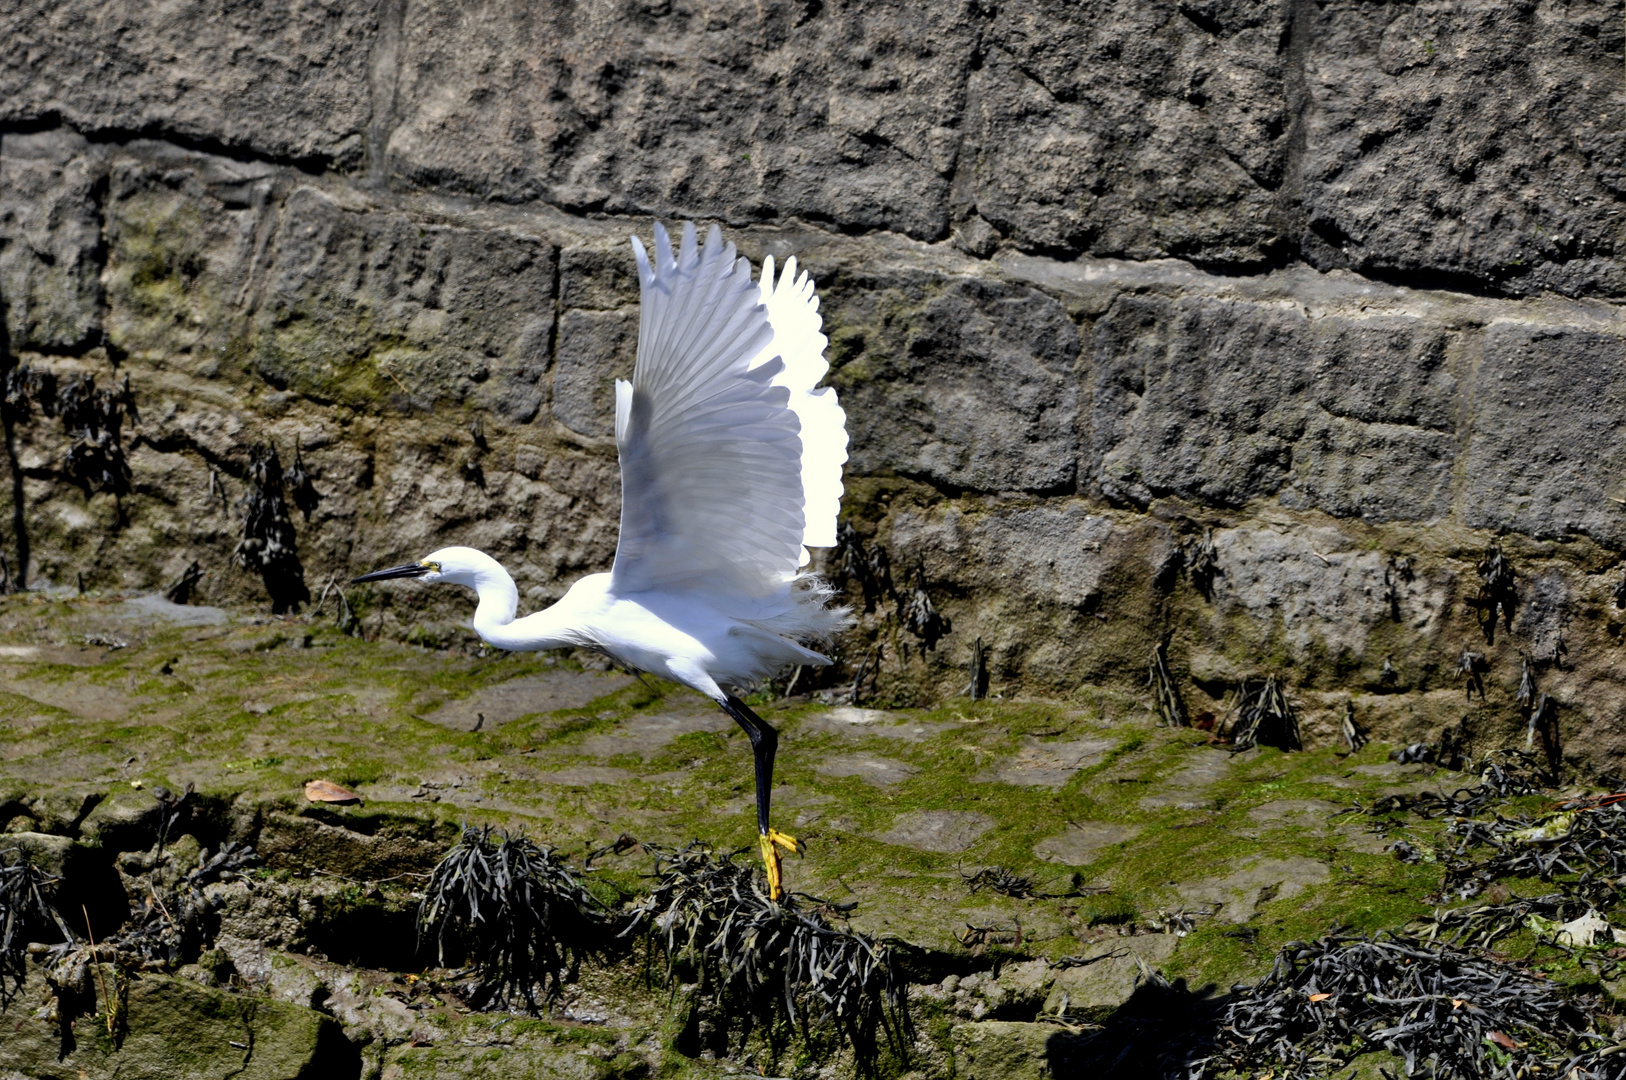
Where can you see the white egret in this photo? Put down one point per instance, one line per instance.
(730, 470)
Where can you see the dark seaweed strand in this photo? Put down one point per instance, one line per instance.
(1433, 1006)
(515, 910)
(26, 915)
(783, 962)
(1591, 851)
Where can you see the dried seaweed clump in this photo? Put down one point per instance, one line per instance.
(1503, 774)
(172, 925)
(1264, 717)
(94, 421)
(268, 547)
(1584, 847)
(1171, 707)
(1450, 1015)
(780, 963)
(1497, 593)
(26, 915)
(514, 909)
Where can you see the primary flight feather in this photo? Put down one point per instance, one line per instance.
(731, 459)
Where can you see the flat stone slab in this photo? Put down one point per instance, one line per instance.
(584, 776)
(1305, 815)
(1048, 764)
(871, 768)
(1083, 843)
(1240, 892)
(847, 721)
(546, 692)
(945, 831)
(1188, 788)
(159, 608)
(648, 734)
(1108, 975)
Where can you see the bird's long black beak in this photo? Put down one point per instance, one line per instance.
(408, 570)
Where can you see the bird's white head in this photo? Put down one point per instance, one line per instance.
(499, 599)
(455, 565)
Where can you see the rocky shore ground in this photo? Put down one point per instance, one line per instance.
(145, 740)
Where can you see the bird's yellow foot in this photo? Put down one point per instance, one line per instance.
(771, 841)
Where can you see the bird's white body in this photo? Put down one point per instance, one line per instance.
(676, 635)
(731, 468)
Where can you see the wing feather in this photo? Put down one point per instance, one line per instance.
(730, 459)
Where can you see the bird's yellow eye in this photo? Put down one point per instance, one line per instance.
(434, 567)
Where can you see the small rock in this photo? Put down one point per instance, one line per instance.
(945, 831)
(1083, 843)
(880, 771)
(1107, 979)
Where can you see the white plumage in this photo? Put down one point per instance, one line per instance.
(731, 459)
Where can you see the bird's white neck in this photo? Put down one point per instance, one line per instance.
(494, 617)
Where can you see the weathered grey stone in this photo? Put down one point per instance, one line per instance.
(1133, 129)
(1036, 577)
(1547, 447)
(526, 696)
(1047, 763)
(1424, 156)
(739, 112)
(50, 853)
(595, 348)
(1084, 842)
(1325, 591)
(1197, 398)
(1310, 816)
(947, 831)
(1381, 472)
(1095, 989)
(1006, 1050)
(1222, 402)
(362, 306)
(283, 79)
(50, 240)
(175, 1028)
(1254, 883)
(303, 844)
(965, 384)
(1189, 788)
(871, 768)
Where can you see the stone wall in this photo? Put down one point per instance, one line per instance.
(1336, 286)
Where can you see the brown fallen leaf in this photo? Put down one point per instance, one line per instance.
(328, 791)
(1319, 997)
(1505, 1042)
(1456, 1003)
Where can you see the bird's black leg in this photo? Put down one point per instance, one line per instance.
(764, 743)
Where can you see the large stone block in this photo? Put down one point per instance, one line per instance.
(283, 79)
(1198, 398)
(50, 240)
(1467, 141)
(1135, 129)
(176, 1030)
(1058, 593)
(966, 384)
(1222, 401)
(1380, 442)
(1549, 433)
(364, 305)
(184, 233)
(740, 111)
(1312, 590)
(595, 348)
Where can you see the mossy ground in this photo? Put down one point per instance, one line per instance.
(896, 806)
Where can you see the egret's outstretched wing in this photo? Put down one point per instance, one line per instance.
(730, 460)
